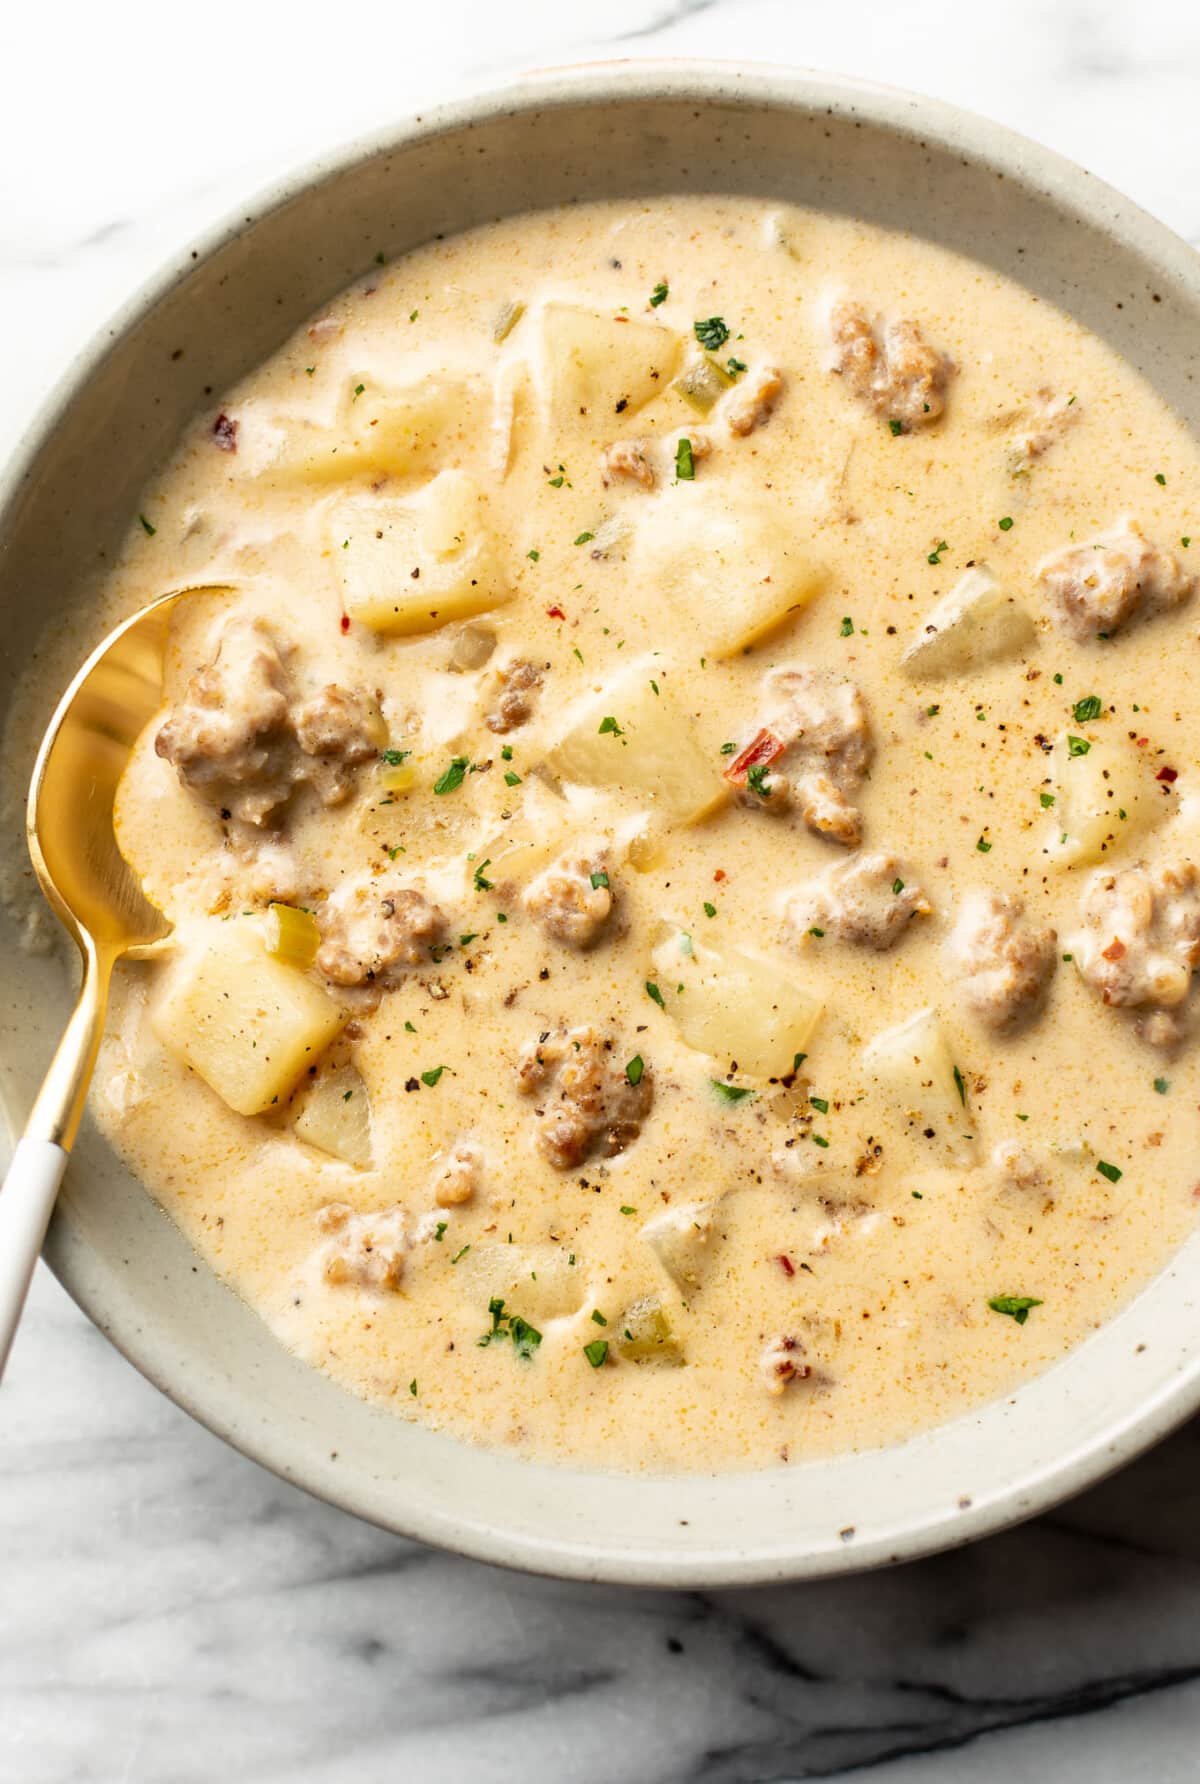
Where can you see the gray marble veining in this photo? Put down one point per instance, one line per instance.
(171, 1614)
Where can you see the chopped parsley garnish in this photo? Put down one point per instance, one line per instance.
(960, 1084)
(712, 333)
(710, 910)
(846, 629)
(506, 753)
(984, 846)
(732, 1093)
(609, 728)
(1159, 478)
(1047, 800)
(1087, 709)
(412, 1387)
(931, 712)
(1005, 525)
(431, 1077)
(584, 538)
(820, 1140)
(358, 390)
(460, 1254)
(1058, 681)
(409, 1029)
(626, 1209)
(727, 749)
(1112, 1172)
(598, 1318)
(1016, 1306)
(756, 780)
(819, 1102)
(653, 991)
(1077, 746)
(1185, 541)
(635, 1068)
(660, 294)
(482, 884)
(798, 1060)
(146, 527)
(935, 556)
(735, 367)
(533, 556)
(511, 779)
(685, 463)
(524, 1337)
(471, 935)
(393, 758)
(819, 933)
(440, 1231)
(897, 427)
(596, 1352)
(897, 887)
(1162, 1085)
(451, 778)
(598, 879)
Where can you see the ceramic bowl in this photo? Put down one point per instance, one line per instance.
(599, 132)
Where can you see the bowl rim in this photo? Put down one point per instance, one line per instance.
(976, 138)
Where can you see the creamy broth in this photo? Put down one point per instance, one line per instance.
(613, 1051)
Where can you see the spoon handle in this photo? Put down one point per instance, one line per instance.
(26, 1202)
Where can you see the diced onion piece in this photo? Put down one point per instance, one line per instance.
(978, 621)
(734, 1006)
(246, 1023)
(1103, 799)
(397, 777)
(643, 1334)
(912, 1066)
(728, 572)
(647, 746)
(292, 935)
(601, 366)
(414, 563)
(681, 1239)
(335, 1115)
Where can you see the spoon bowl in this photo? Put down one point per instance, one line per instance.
(71, 832)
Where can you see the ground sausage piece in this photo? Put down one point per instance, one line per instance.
(515, 687)
(816, 749)
(366, 1250)
(752, 402)
(1096, 587)
(587, 1106)
(230, 738)
(572, 899)
(372, 933)
(869, 901)
(899, 376)
(457, 1176)
(1140, 942)
(1004, 965)
(781, 1362)
(629, 459)
(340, 729)
(1044, 422)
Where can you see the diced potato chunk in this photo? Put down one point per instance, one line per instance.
(381, 432)
(912, 1067)
(729, 572)
(1103, 798)
(630, 737)
(602, 365)
(734, 1006)
(681, 1240)
(538, 1281)
(248, 1024)
(978, 621)
(413, 563)
(643, 1334)
(335, 1115)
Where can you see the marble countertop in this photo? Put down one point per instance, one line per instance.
(169, 1613)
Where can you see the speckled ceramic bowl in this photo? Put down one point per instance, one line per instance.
(598, 132)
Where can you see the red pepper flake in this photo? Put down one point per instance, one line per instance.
(345, 622)
(556, 613)
(786, 1264)
(1142, 742)
(758, 754)
(719, 875)
(1115, 950)
(225, 433)
(1169, 775)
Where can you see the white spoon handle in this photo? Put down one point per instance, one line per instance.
(26, 1202)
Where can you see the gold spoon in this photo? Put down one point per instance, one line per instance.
(69, 825)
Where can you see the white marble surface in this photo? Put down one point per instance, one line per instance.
(170, 1614)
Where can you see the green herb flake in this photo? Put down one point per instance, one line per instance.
(1112, 1172)
(609, 727)
(1162, 1085)
(653, 991)
(584, 538)
(732, 1093)
(819, 1102)
(984, 846)
(710, 910)
(534, 556)
(685, 463)
(660, 294)
(482, 884)
(820, 1140)
(460, 1254)
(897, 427)
(712, 333)
(451, 778)
(727, 749)
(440, 1231)
(511, 779)
(1159, 478)
(897, 887)
(471, 936)
(1005, 525)
(1087, 709)
(598, 879)
(756, 780)
(735, 367)
(846, 629)
(626, 1209)
(596, 1352)
(412, 1387)
(431, 1077)
(146, 527)
(819, 933)
(935, 556)
(635, 1068)
(960, 1084)
(1077, 746)
(358, 390)
(409, 1029)
(1047, 800)
(1016, 1306)
(1185, 541)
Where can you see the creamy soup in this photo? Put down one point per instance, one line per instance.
(678, 835)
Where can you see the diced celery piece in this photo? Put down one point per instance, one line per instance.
(702, 383)
(292, 935)
(644, 1335)
(507, 317)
